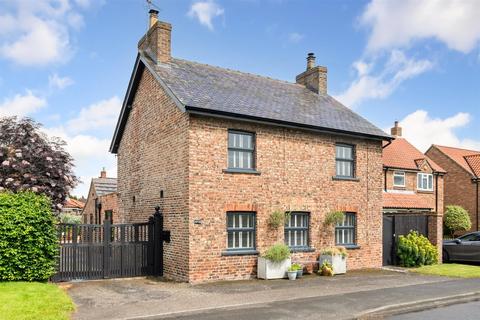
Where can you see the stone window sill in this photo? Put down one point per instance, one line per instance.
(425, 191)
(352, 247)
(240, 253)
(305, 249)
(337, 178)
(254, 172)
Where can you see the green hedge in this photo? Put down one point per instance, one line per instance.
(456, 219)
(28, 238)
(416, 250)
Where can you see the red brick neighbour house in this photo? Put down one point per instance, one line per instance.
(102, 201)
(462, 183)
(219, 150)
(413, 194)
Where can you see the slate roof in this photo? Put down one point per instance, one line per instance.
(405, 201)
(467, 159)
(402, 154)
(104, 186)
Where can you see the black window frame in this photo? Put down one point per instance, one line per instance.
(253, 150)
(353, 160)
(354, 228)
(232, 230)
(288, 215)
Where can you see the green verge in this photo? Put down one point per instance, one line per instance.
(34, 300)
(450, 270)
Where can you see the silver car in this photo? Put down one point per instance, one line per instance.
(464, 248)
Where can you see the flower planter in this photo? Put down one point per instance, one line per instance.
(267, 269)
(292, 275)
(338, 263)
(299, 273)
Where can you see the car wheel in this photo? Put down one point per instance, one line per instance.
(445, 256)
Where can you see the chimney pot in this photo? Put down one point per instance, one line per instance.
(103, 173)
(310, 61)
(315, 77)
(153, 17)
(396, 130)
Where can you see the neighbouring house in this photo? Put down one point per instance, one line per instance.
(219, 150)
(462, 183)
(102, 201)
(413, 194)
(73, 206)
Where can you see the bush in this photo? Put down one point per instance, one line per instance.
(28, 238)
(277, 253)
(70, 218)
(456, 219)
(416, 250)
(335, 251)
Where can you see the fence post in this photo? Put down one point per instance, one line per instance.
(158, 242)
(107, 234)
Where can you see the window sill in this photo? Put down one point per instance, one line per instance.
(337, 178)
(425, 191)
(254, 172)
(304, 249)
(240, 253)
(352, 247)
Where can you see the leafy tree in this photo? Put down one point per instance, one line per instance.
(456, 219)
(30, 160)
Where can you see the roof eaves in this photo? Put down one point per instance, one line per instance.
(255, 119)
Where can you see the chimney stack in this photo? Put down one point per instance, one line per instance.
(156, 43)
(315, 77)
(103, 173)
(396, 130)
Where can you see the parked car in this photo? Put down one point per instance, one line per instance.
(464, 248)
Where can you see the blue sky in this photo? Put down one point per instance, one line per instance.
(66, 63)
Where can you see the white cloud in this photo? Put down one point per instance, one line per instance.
(295, 37)
(205, 11)
(423, 131)
(55, 81)
(36, 33)
(400, 23)
(370, 85)
(22, 105)
(100, 115)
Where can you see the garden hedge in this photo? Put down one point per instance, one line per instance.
(28, 240)
(456, 219)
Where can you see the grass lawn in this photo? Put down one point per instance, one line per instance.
(34, 300)
(450, 270)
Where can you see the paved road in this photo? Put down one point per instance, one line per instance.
(465, 311)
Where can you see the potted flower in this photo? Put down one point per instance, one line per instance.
(274, 263)
(326, 269)
(292, 272)
(337, 257)
(299, 269)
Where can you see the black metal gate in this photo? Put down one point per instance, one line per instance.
(396, 225)
(93, 251)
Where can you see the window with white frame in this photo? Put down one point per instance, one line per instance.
(345, 231)
(296, 229)
(399, 179)
(240, 230)
(425, 181)
(241, 150)
(345, 160)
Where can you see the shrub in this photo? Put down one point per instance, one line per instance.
(326, 269)
(334, 218)
(456, 219)
(276, 219)
(28, 238)
(335, 251)
(416, 250)
(297, 266)
(70, 218)
(277, 253)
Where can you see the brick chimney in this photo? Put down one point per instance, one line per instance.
(103, 173)
(315, 77)
(396, 130)
(156, 43)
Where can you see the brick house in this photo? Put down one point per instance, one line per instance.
(102, 201)
(412, 194)
(219, 150)
(462, 183)
(73, 206)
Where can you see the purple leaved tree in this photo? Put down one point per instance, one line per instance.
(30, 160)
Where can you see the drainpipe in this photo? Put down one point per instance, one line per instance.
(436, 193)
(385, 178)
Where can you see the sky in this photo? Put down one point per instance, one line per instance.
(67, 63)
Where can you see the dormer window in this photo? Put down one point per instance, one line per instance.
(399, 179)
(425, 181)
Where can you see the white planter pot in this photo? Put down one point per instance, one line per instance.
(267, 269)
(338, 263)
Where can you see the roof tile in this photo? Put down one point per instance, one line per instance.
(462, 157)
(405, 201)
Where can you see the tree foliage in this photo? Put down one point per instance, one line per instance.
(29, 160)
(456, 219)
(28, 238)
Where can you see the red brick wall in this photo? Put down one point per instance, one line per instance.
(296, 174)
(88, 213)
(153, 156)
(459, 188)
(110, 202)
